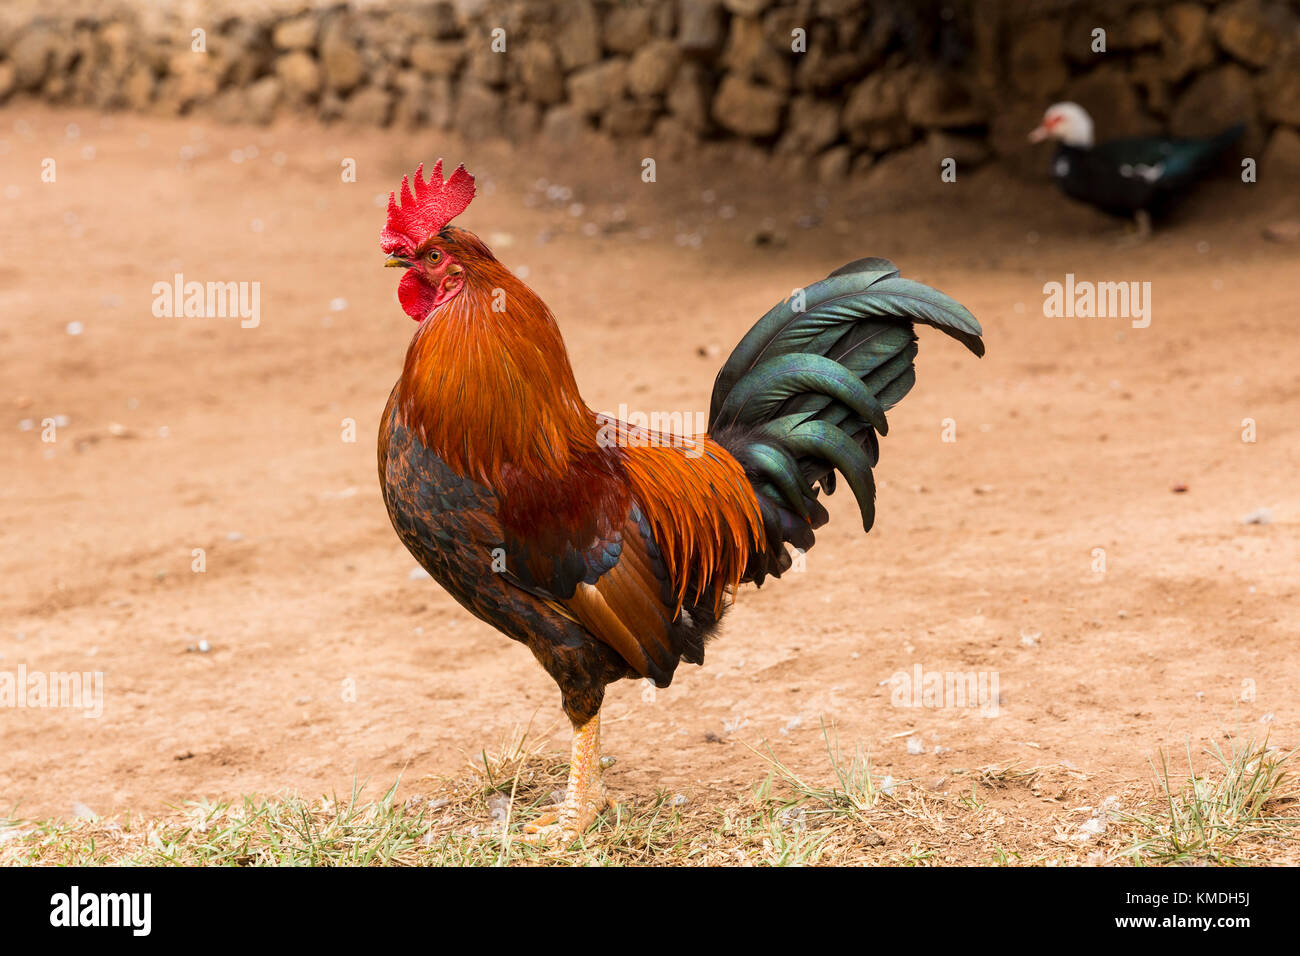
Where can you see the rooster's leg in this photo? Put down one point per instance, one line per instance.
(585, 797)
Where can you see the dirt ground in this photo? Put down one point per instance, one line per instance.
(330, 660)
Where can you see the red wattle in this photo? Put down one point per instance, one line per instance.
(417, 298)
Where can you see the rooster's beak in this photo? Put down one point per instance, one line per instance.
(397, 262)
(1039, 134)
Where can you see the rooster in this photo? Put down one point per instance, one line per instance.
(610, 550)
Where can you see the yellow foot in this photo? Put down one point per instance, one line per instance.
(584, 798)
(569, 820)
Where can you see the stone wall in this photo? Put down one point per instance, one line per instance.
(835, 84)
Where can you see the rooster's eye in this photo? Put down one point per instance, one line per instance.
(433, 255)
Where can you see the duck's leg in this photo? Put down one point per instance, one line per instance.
(1140, 232)
(1143, 220)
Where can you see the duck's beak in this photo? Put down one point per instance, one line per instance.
(1039, 134)
(397, 262)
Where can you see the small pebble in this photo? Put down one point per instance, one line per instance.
(1284, 231)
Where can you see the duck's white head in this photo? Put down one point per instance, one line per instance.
(1067, 122)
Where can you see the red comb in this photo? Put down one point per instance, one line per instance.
(423, 213)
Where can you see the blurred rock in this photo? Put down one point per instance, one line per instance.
(1111, 101)
(562, 125)
(651, 71)
(826, 67)
(441, 21)
(812, 124)
(369, 106)
(877, 98)
(688, 97)
(747, 8)
(1279, 91)
(1186, 45)
(1149, 79)
(441, 106)
(1144, 29)
(942, 100)
(442, 58)
(627, 118)
(627, 28)
(746, 108)
(578, 37)
(1281, 159)
(411, 106)
(522, 120)
(540, 72)
(701, 26)
(485, 66)
(341, 61)
(33, 57)
(190, 79)
(833, 165)
(594, 89)
(299, 75)
(873, 115)
(673, 137)
(479, 112)
(115, 49)
(138, 88)
(261, 99)
(1214, 100)
(1036, 64)
(1245, 31)
(296, 34)
(243, 51)
(749, 55)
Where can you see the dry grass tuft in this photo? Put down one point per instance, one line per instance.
(1242, 809)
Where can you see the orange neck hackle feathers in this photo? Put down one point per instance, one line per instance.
(487, 383)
